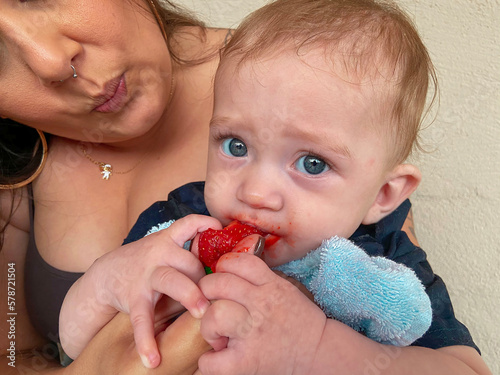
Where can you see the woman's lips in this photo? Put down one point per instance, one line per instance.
(115, 97)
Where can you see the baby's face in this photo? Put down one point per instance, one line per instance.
(294, 150)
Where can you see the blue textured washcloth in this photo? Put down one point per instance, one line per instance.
(374, 295)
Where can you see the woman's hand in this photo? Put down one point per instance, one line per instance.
(112, 350)
(132, 279)
(259, 323)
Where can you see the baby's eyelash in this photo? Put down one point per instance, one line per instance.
(219, 135)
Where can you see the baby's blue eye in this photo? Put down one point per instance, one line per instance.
(311, 165)
(234, 147)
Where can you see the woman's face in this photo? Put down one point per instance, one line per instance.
(117, 50)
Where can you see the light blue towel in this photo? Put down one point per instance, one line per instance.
(374, 295)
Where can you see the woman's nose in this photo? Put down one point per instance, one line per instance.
(48, 52)
(259, 192)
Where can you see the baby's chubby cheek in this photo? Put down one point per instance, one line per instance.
(286, 249)
(278, 251)
(209, 203)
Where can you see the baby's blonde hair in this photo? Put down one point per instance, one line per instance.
(372, 36)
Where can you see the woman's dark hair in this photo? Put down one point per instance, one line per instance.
(21, 152)
(172, 19)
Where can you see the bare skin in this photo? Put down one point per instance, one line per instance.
(409, 228)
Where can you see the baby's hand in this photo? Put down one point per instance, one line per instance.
(259, 322)
(133, 278)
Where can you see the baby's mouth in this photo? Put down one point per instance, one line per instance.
(269, 239)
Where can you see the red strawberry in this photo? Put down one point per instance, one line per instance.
(215, 243)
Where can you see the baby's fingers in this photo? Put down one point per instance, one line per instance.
(142, 322)
(181, 288)
(224, 319)
(187, 227)
(252, 244)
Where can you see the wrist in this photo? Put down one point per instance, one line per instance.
(97, 289)
(308, 358)
(339, 348)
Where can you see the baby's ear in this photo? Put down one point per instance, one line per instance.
(400, 184)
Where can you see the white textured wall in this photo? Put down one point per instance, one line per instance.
(456, 207)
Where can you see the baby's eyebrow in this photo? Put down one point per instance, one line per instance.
(219, 120)
(316, 138)
(341, 150)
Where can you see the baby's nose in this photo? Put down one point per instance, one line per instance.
(260, 193)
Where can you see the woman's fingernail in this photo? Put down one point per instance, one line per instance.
(259, 246)
(145, 361)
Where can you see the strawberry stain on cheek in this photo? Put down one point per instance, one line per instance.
(270, 253)
(273, 249)
(271, 239)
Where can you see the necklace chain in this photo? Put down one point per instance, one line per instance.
(106, 168)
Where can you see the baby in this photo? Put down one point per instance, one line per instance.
(312, 124)
(313, 121)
